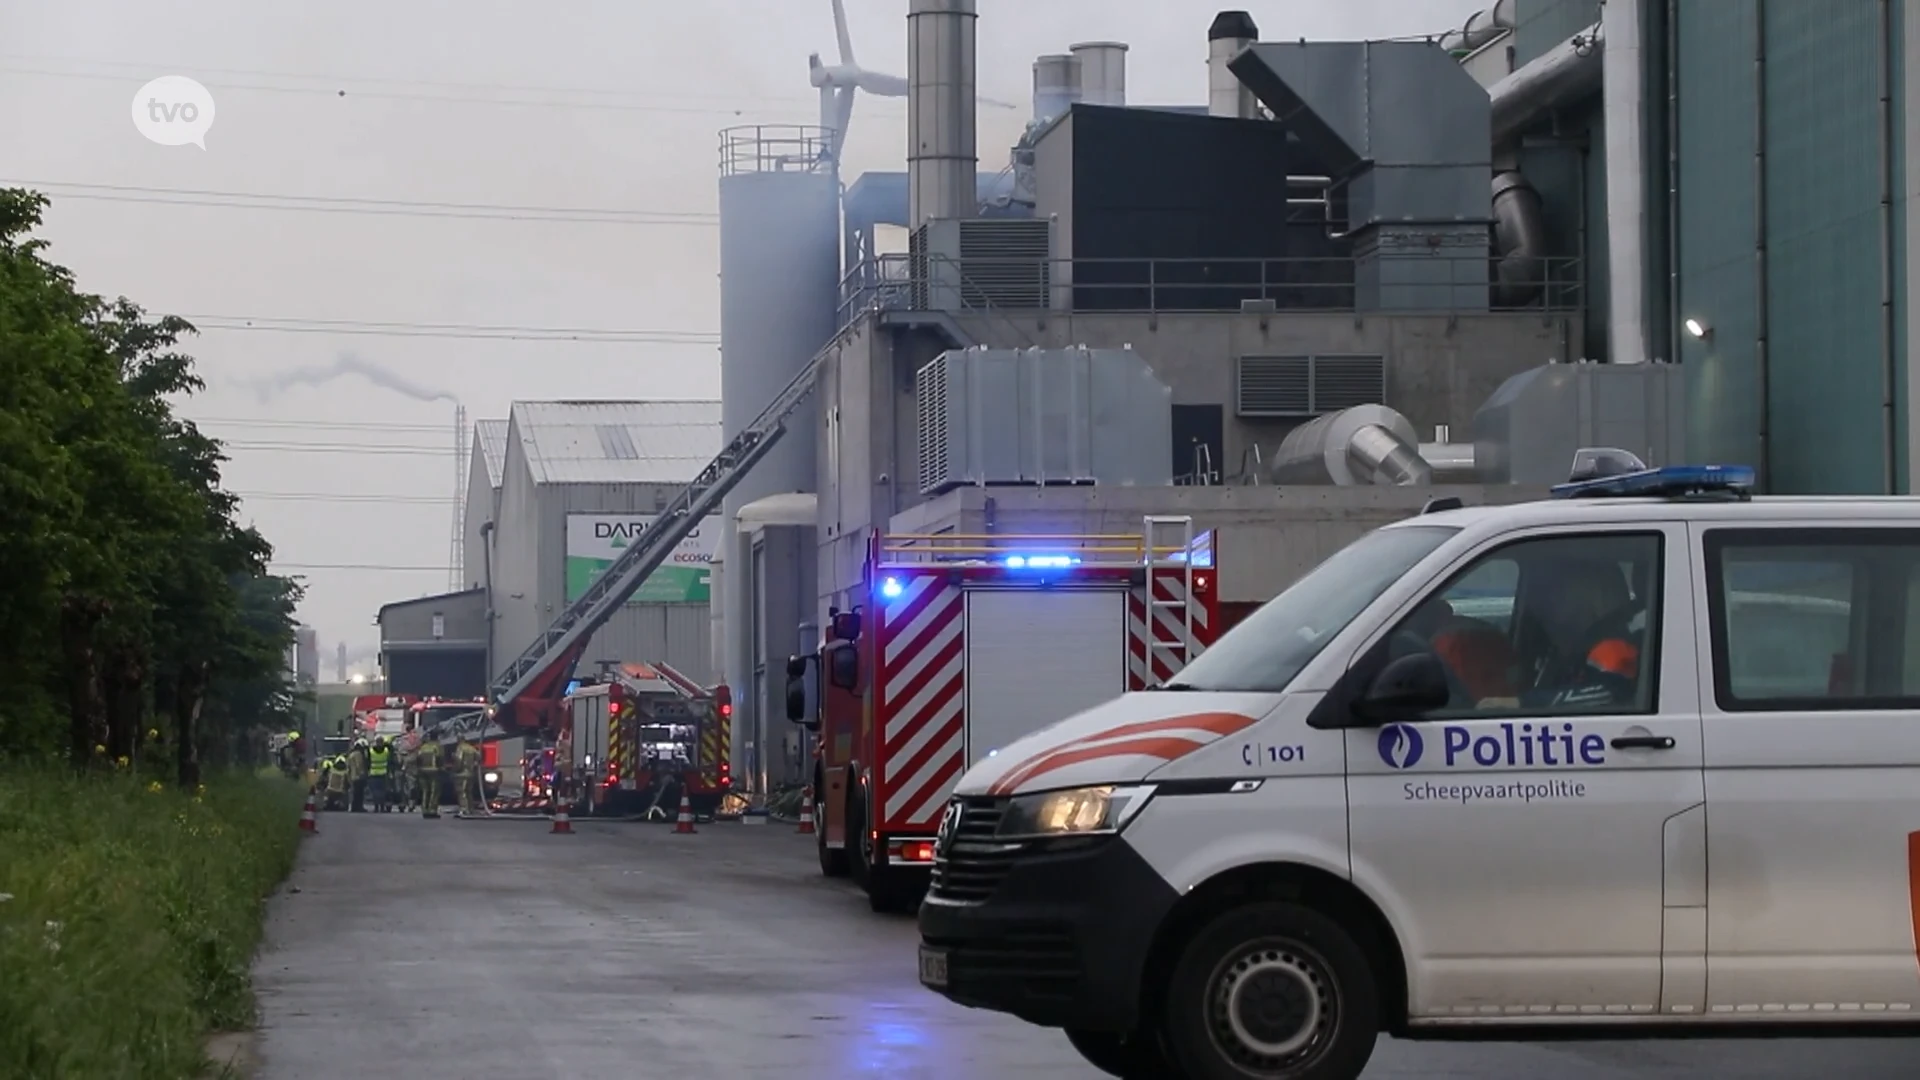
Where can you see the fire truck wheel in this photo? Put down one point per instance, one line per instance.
(859, 867)
(1272, 991)
(833, 863)
(1129, 1057)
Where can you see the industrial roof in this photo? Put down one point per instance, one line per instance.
(616, 442)
(492, 437)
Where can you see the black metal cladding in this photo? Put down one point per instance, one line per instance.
(1152, 185)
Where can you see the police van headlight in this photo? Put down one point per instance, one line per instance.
(492, 778)
(1087, 811)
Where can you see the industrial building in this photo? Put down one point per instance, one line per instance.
(555, 491)
(1745, 166)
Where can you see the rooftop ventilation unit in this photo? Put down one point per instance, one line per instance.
(973, 264)
(1042, 416)
(1408, 134)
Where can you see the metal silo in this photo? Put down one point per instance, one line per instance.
(779, 295)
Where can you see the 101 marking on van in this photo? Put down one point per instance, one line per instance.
(1523, 745)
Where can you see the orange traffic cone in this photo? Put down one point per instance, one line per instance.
(806, 811)
(684, 823)
(561, 823)
(307, 822)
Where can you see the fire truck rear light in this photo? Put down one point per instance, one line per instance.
(916, 851)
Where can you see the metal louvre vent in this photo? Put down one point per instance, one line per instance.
(930, 399)
(977, 263)
(1286, 386)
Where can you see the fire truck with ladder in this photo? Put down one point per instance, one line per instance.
(644, 734)
(958, 645)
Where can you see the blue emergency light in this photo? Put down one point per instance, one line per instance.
(891, 588)
(1671, 482)
(1039, 562)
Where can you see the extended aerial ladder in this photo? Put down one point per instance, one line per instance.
(542, 671)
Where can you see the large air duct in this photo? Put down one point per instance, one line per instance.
(942, 154)
(1056, 85)
(1366, 444)
(1480, 28)
(1626, 183)
(1563, 74)
(1520, 238)
(1226, 96)
(1103, 72)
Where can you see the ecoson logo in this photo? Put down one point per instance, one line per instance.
(1510, 745)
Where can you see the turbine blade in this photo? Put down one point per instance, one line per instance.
(840, 31)
(842, 116)
(879, 85)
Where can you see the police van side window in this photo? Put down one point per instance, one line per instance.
(1551, 626)
(1814, 620)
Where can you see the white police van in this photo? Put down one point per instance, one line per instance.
(1643, 756)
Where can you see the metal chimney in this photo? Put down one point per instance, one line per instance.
(942, 157)
(1056, 85)
(1103, 72)
(1231, 31)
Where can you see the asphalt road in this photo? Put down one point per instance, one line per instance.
(466, 949)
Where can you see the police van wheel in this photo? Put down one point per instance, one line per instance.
(1273, 991)
(1129, 1057)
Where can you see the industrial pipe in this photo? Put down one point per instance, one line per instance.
(1626, 183)
(1520, 240)
(1056, 85)
(1564, 73)
(942, 152)
(1231, 32)
(1892, 142)
(1365, 444)
(1481, 27)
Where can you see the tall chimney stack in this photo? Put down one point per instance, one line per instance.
(1103, 72)
(1231, 31)
(942, 155)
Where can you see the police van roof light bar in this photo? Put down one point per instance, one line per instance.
(1671, 482)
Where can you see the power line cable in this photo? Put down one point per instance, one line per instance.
(339, 425)
(328, 204)
(372, 450)
(262, 323)
(277, 565)
(435, 501)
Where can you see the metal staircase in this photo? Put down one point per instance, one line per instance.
(674, 523)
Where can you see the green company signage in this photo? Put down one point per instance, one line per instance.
(594, 541)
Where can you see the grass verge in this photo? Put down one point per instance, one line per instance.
(129, 915)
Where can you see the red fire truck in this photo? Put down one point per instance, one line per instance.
(957, 646)
(644, 733)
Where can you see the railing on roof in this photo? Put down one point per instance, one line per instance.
(1444, 283)
(996, 548)
(764, 148)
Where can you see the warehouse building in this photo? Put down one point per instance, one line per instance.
(556, 490)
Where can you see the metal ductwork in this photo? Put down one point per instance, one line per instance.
(1481, 27)
(1626, 183)
(1565, 73)
(1103, 72)
(942, 153)
(1056, 85)
(1366, 444)
(1231, 32)
(1406, 131)
(1519, 238)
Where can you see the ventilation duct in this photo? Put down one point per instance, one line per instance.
(1103, 72)
(1406, 130)
(1567, 72)
(1367, 444)
(1231, 31)
(1056, 86)
(1520, 237)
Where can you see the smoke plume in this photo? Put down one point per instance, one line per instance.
(347, 364)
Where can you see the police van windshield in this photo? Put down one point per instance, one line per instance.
(1272, 645)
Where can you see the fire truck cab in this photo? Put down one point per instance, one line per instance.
(957, 646)
(644, 733)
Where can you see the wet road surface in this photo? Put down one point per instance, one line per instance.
(456, 950)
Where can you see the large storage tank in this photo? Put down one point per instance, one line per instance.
(779, 294)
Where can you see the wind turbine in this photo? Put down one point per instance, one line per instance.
(838, 83)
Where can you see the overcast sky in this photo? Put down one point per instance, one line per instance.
(611, 106)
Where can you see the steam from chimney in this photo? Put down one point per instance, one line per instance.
(347, 364)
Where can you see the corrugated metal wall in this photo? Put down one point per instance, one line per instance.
(1825, 343)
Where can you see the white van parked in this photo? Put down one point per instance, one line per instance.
(1642, 756)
